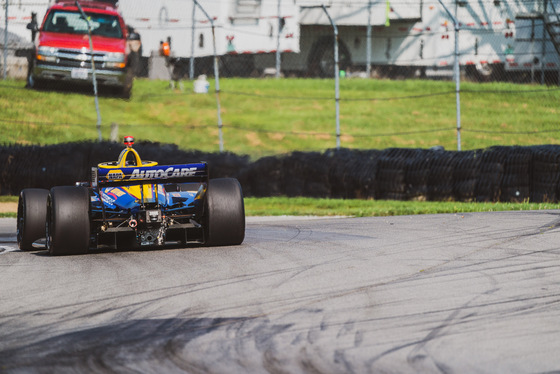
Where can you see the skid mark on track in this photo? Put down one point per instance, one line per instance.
(126, 344)
(338, 326)
(495, 244)
(419, 358)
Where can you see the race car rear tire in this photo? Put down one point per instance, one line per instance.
(31, 217)
(68, 224)
(225, 212)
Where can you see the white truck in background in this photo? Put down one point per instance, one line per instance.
(408, 38)
(412, 37)
(242, 29)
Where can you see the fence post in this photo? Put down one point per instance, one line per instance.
(94, 78)
(216, 76)
(457, 83)
(336, 70)
(278, 39)
(336, 76)
(368, 38)
(114, 132)
(543, 46)
(457, 73)
(191, 60)
(5, 49)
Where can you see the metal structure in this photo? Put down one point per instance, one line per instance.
(94, 77)
(456, 74)
(216, 76)
(5, 48)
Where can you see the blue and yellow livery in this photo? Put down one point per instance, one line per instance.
(132, 203)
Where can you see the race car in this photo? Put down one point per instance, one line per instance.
(131, 203)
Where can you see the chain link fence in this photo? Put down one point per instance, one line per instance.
(491, 41)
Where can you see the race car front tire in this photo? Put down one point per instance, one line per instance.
(68, 224)
(225, 212)
(31, 217)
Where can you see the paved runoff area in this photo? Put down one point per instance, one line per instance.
(411, 294)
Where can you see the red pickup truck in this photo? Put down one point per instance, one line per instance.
(62, 49)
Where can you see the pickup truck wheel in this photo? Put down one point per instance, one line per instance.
(31, 217)
(321, 59)
(485, 72)
(68, 225)
(225, 212)
(238, 65)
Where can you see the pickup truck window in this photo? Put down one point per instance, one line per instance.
(72, 23)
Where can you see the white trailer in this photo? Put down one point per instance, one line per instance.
(19, 15)
(412, 36)
(242, 28)
(15, 39)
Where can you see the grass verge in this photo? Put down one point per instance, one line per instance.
(274, 206)
(267, 116)
(300, 206)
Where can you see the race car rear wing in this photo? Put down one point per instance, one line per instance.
(160, 174)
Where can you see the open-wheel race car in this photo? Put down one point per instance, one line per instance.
(132, 203)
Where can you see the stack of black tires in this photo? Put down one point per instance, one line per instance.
(508, 174)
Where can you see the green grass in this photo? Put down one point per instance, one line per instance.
(269, 116)
(279, 206)
(274, 206)
(8, 199)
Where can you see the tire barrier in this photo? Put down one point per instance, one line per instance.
(440, 182)
(465, 175)
(351, 173)
(545, 174)
(508, 174)
(490, 173)
(64, 164)
(391, 174)
(516, 182)
(418, 169)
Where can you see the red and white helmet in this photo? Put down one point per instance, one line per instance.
(129, 141)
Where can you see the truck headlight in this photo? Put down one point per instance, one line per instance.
(115, 60)
(47, 54)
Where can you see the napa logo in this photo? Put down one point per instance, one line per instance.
(115, 175)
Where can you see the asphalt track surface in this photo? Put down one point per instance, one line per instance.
(459, 293)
